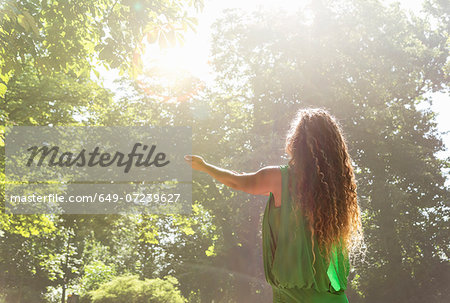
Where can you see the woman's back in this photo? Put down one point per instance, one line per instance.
(293, 265)
(325, 201)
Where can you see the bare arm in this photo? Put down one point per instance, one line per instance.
(262, 182)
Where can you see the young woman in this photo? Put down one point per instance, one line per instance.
(311, 225)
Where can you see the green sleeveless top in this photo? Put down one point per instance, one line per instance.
(288, 257)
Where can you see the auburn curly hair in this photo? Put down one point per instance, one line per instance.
(325, 189)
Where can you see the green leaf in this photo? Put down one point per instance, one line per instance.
(96, 73)
(210, 251)
(2, 90)
(23, 22)
(188, 230)
(30, 20)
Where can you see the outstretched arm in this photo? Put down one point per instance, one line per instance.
(262, 182)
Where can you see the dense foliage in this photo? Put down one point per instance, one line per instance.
(131, 289)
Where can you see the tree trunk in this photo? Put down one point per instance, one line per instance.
(65, 267)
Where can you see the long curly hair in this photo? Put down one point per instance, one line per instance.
(326, 188)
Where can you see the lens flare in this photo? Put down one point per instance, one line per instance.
(164, 68)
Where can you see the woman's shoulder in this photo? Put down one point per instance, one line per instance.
(277, 168)
(276, 172)
(273, 169)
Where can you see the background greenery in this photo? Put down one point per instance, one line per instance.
(371, 65)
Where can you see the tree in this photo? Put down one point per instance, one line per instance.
(49, 50)
(74, 36)
(131, 289)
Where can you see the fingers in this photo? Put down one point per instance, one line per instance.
(193, 158)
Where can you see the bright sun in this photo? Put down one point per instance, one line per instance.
(172, 73)
(169, 61)
(191, 59)
(193, 56)
(170, 69)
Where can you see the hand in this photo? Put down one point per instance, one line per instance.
(196, 162)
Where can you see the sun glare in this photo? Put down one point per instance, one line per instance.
(192, 57)
(170, 61)
(171, 64)
(173, 73)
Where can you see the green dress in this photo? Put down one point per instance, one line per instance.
(288, 258)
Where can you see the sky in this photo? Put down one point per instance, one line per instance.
(194, 55)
